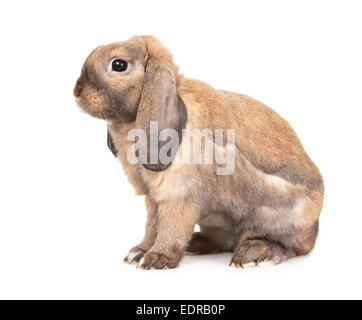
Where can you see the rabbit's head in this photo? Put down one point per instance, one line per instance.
(133, 80)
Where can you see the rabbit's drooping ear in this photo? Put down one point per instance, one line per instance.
(160, 102)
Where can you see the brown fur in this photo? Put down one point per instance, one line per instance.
(267, 210)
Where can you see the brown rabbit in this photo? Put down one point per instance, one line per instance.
(265, 211)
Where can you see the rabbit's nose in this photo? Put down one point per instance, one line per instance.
(78, 88)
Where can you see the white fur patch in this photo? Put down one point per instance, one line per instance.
(268, 263)
(142, 261)
(131, 256)
(282, 217)
(249, 265)
(277, 182)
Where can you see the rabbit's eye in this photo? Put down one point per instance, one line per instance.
(119, 65)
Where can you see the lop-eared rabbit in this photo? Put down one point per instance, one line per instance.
(265, 211)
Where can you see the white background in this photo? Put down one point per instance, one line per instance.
(68, 215)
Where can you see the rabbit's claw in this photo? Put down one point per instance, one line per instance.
(156, 261)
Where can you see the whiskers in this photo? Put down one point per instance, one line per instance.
(118, 115)
(103, 115)
(109, 115)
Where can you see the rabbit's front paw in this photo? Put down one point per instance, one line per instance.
(157, 261)
(134, 255)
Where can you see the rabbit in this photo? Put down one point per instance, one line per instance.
(266, 211)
